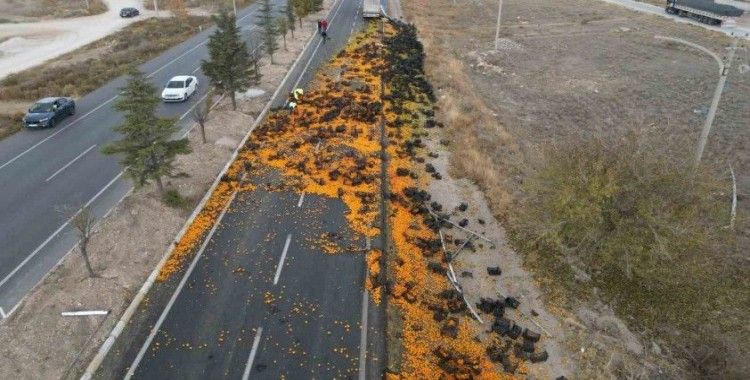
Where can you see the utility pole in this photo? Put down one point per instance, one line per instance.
(234, 5)
(715, 102)
(497, 29)
(156, 7)
(723, 72)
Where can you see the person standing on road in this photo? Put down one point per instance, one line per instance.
(324, 25)
(320, 26)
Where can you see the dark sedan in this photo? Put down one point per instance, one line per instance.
(47, 112)
(129, 12)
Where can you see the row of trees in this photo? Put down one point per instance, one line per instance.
(274, 25)
(146, 148)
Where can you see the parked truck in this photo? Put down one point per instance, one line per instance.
(705, 11)
(371, 8)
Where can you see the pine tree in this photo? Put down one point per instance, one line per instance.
(282, 28)
(301, 9)
(267, 21)
(146, 145)
(289, 11)
(228, 66)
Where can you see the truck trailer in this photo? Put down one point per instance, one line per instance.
(705, 11)
(371, 8)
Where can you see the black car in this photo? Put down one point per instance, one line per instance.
(129, 12)
(49, 111)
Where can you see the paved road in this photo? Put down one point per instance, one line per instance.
(261, 300)
(741, 30)
(44, 174)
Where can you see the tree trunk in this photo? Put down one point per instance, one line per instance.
(160, 185)
(85, 255)
(203, 132)
(234, 100)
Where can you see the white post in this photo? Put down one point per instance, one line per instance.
(723, 71)
(156, 8)
(715, 103)
(497, 29)
(234, 5)
(733, 213)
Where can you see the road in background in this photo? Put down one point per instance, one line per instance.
(742, 26)
(35, 205)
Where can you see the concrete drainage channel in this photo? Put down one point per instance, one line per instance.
(98, 359)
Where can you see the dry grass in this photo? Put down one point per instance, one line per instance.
(210, 4)
(13, 9)
(480, 129)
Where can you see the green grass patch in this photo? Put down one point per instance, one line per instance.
(174, 199)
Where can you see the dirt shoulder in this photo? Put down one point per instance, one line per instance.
(39, 343)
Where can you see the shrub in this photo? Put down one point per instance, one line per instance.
(646, 227)
(172, 198)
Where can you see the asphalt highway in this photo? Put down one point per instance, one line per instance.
(261, 299)
(45, 175)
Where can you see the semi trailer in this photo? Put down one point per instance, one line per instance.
(371, 8)
(705, 11)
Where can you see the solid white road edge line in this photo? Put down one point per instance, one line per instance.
(57, 231)
(177, 58)
(195, 47)
(70, 163)
(173, 299)
(301, 199)
(193, 106)
(40, 142)
(281, 259)
(302, 74)
(251, 358)
(363, 325)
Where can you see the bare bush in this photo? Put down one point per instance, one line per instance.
(84, 222)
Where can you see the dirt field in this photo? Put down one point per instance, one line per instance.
(22, 10)
(568, 69)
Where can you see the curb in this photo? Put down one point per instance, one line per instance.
(130, 311)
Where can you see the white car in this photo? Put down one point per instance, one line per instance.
(179, 88)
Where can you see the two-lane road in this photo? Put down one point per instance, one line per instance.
(45, 175)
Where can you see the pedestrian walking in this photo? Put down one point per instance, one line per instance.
(320, 26)
(324, 25)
